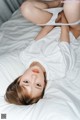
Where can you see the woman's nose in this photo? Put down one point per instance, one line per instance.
(34, 77)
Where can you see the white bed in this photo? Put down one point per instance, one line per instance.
(62, 98)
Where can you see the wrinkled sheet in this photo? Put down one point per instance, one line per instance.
(62, 97)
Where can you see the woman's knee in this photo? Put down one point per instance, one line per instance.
(26, 8)
(29, 6)
(72, 12)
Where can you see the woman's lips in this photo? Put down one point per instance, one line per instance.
(35, 70)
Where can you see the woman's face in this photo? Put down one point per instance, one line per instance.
(33, 81)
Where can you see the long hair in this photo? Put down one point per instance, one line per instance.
(15, 94)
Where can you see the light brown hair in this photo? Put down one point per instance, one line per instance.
(15, 94)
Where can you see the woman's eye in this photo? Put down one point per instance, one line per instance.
(26, 81)
(39, 85)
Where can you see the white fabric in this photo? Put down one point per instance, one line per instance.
(55, 12)
(55, 56)
(62, 97)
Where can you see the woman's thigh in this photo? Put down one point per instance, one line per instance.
(34, 11)
(72, 12)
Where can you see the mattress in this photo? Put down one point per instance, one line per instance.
(62, 97)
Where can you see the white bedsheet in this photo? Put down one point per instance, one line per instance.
(62, 98)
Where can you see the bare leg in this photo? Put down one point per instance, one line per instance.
(54, 3)
(75, 32)
(33, 10)
(46, 29)
(72, 13)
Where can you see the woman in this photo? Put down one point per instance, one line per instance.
(43, 14)
(44, 60)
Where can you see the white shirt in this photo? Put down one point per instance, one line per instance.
(55, 56)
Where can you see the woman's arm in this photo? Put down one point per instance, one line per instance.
(64, 34)
(44, 31)
(64, 31)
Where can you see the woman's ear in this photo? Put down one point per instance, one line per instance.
(19, 79)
